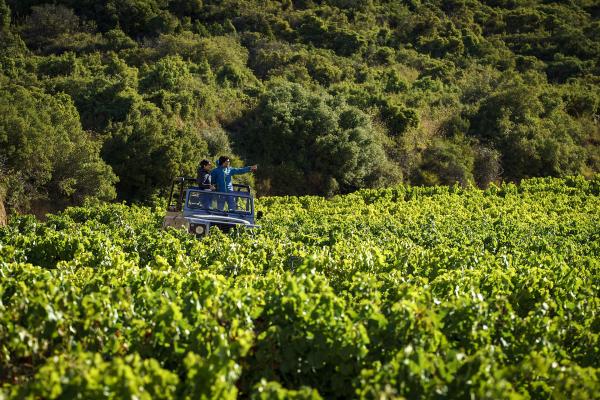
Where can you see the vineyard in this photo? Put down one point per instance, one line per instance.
(438, 292)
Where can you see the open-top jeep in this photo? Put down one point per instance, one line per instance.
(198, 211)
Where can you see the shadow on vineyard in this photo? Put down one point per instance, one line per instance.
(405, 292)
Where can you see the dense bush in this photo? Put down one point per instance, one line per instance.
(147, 150)
(45, 154)
(531, 129)
(312, 142)
(500, 67)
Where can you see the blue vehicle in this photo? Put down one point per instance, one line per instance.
(198, 211)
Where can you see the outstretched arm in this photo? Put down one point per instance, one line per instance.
(244, 170)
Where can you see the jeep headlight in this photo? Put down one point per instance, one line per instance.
(200, 229)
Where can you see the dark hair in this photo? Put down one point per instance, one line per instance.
(204, 162)
(223, 159)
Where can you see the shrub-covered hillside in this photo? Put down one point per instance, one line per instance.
(113, 98)
(405, 292)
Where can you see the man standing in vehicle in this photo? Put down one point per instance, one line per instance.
(221, 178)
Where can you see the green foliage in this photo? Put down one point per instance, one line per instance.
(312, 142)
(398, 118)
(48, 22)
(117, 40)
(204, 65)
(273, 391)
(45, 153)
(410, 292)
(323, 71)
(88, 375)
(104, 90)
(148, 149)
(4, 16)
(310, 337)
(580, 98)
(532, 131)
(170, 74)
(316, 31)
(447, 163)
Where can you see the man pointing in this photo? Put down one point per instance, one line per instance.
(221, 178)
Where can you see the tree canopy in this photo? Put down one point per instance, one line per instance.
(312, 142)
(45, 153)
(443, 91)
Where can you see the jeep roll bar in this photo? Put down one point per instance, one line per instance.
(186, 182)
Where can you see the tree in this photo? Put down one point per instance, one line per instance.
(4, 16)
(48, 22)
(398, 118)
(170, 73)
(446, 162)
(11, 44)
(45, 153)
(148, 150)
(532, 131)
(103, 89)
(311, 142)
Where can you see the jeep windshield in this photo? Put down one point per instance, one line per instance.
(217, 201)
